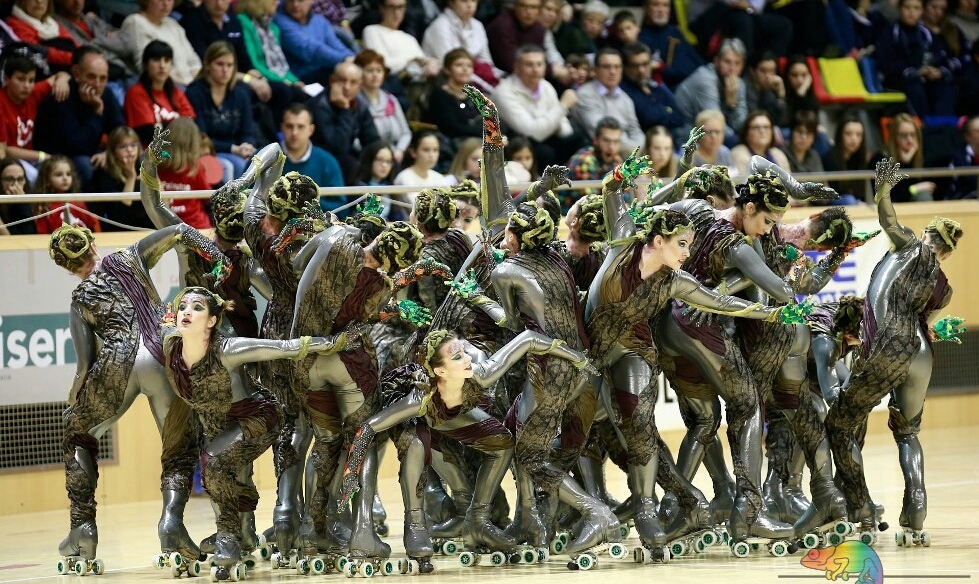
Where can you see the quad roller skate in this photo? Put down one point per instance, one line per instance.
(695, 531)
(912, 520)
(177, 564)
(586, 559)
(907, 537)
(764, 532)
(418, 548)
(226, 563)
(867, 528)
(78, 551)
(828, 534)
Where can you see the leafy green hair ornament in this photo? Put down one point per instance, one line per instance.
(431, 344)
(949, 328)
(946, 228)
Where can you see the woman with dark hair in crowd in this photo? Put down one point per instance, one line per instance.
(155, 100)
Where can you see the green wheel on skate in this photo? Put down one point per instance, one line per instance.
(810, 541)
(741, 549)
(618, 551)
(678, 548)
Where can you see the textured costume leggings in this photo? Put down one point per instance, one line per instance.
(221, 462)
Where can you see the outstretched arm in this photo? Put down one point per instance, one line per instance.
(553, 177)
(152, 247)
(239, 350)
(802, 191)
(495, 201)
(404, 409)
(744, 258)
(83, 337)
(688, 289)
(888, 175)
(159, 213)
(488, 372)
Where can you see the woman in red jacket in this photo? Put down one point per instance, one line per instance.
(32, 22)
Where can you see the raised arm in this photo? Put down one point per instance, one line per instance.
(888, 175)
(553, 177)
(267, 164)
(618, 221)
(83, 337)
(689, 149)
(237, 351)
(688, 289)
(152, 247)
(488, 372)
(150, 187)
(802, 191)
(495, 201)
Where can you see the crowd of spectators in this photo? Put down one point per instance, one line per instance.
(369, 92)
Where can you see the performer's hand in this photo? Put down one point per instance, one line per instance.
(484, 105)
(467, 287)
(555, 176)
(700, 318)
(588, 367)
(818, 191)
(949, 328)
(794, 313)
(632, 167)
(888, 172)
(693, 142)
(157, 150)
(859, 239)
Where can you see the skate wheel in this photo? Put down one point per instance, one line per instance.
(868, 538)
(497, 559)
(249, 561)
(235, 573)
(557, 546)
(585, 561)
(542, 555)
(366, 570)
(62, 567)
(339, 563)
(390, 567)
(810, 541)
(699, 546)
(624, 530)
(925, 539)
(678, 548)
(450, 548)
(98, 567)
(317, 565)
(741, 549)
(276, 560)
(708, 538)
(175, 570)
(302, 567)
(779, 549)
(725, 538)
(349, 569)
(413, 568)
(843, 528)
(836, 539)
(176, 559)
(194, 568)
(639, 555)
(901, 538)
(667, 556)
(529, 556)
(467, 559)
(618, 551)
(159, 562)
(81, 567)
(214, 573)
(563, 536)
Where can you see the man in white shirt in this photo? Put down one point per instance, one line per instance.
(602, 97)
(530, 106)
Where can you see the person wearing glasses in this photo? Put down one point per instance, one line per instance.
(13, 181)
(711, 148)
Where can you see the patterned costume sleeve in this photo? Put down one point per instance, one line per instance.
(152, 247)
(85, 343)
(495, 200)
(689, 290)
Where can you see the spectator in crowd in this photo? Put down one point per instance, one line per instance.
(13, 181)
(33, 23)
(583, 36)
(602, 97)
(512, 29)
(965, 18)
(661, 151)
(343, 124)
(335, 11)
(76, 126)
(305, 158)
(849, 152)
(310, 45)
(19, 102)
(210, 22)
(448, 107)
(155, 99)
(595, 161)
(389, 118)
(456, 28)
(711, 149)
(88, 29)
(674, 59)
(419, 165)
(764, 89)
(654, 102)
(519, 151)
(624, 30)
(401, 51)
(903, 144)
(153, 23)
(552, 16)
(746, 20)
(718, 86)
(799, 94)
(378, 168)
(120, 175)
(418, 15)
(224, 109)
(964, 187)
(802, 136)
(579, 70)
(935, 18)
(918, 63)
(57, 176)
(757, 139)
(529, 105)
(184, 171)
(969, 90)
(465, 165)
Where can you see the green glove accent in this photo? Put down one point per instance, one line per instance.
(796, 313)
(414, 313)
(949, 328)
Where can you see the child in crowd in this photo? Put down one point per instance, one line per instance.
(378, 168)
(184, 171)
(423, 155)
(56, 176)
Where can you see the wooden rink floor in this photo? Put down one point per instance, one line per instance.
(128, 540)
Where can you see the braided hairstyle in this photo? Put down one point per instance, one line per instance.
(71, 247)
(550, 203)
(944, 234)
(533, 227)
(429, 355)
(228, 206)
(397, 247)
(435, 210)
(290, 194)
(765, 190)
(370, 226)
(666, 223)
(591, 219)
(216, 306)
(830, 228)
(709, 180)
(848, 316)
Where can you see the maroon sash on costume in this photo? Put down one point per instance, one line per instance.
(135, 290)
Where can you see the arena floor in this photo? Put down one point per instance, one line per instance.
(28, 543)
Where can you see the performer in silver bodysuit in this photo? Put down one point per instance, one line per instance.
(906, 288)
(114, 321)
